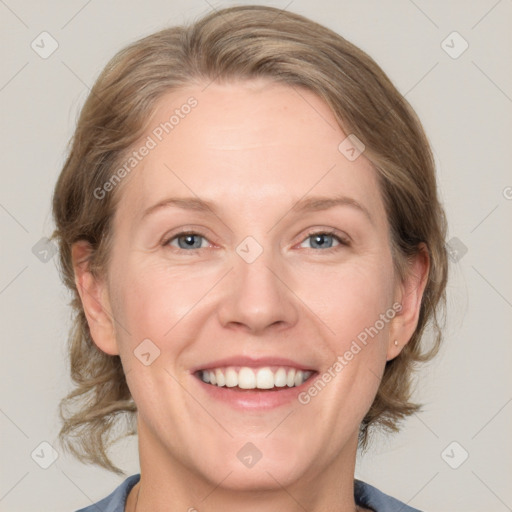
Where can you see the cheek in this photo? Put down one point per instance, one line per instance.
(153, 304)
(355, 303)
(152, 299)
(351, 297)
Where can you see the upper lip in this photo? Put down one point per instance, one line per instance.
(252, 362)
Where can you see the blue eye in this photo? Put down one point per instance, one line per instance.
(187, 241)
(324, 240)
(191, 241)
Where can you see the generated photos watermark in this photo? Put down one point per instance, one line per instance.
(157, 135)
(342, 361)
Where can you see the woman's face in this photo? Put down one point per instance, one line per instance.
(285, 267)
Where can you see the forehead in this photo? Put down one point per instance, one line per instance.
(246, 145)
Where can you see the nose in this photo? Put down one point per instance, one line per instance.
(258, 297)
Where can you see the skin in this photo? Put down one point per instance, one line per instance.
(253, 149)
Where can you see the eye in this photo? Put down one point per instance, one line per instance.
(190, 240)
(186, 241)
(325, 240)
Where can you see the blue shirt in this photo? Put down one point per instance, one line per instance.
(365, 495)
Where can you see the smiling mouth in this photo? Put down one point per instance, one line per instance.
(246, 378)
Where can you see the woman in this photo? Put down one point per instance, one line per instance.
(249, 222)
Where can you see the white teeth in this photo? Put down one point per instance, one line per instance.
(251, 378)
(265, 378)
(231, 378)
(246, 379)
(290, 379)
(280, 378)
(221, 381)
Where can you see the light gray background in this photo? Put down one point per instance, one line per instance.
(465, 104)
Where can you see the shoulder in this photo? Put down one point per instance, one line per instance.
(370, 497)
(115, 501)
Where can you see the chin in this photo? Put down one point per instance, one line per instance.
(261, 477)
(259, 465)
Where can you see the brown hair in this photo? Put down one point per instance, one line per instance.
(241, 43)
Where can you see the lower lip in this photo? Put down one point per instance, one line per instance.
(254, 399)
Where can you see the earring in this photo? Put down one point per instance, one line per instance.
(396, 343)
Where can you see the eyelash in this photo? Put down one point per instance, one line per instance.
(343, 242)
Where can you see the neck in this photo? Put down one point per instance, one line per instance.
(167, 484)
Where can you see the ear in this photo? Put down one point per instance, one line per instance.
(409, 294)
(94, 297)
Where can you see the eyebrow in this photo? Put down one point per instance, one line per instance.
(318, 203)
(309, 204)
